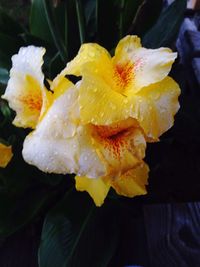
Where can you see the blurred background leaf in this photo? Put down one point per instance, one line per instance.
(79, 237)
(165, 31)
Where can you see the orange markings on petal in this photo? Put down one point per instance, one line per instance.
(113, 138)
(33, 102)
(124, 74)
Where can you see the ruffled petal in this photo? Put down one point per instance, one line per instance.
(99, 104)
(59, 144)
(93, 53)
(149, 65)
(97, 188)
(132, 183)
(121, 146)
(5, 155)
(25, 91)
(154, 107)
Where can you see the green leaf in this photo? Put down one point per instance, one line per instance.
(38, 22)
(129, 12)
(76, 234)
(43, 16)
(146, 16)
(166, 29)
(17, 210)
(4, 76)
(8, 25)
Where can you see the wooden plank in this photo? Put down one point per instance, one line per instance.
(173, 234)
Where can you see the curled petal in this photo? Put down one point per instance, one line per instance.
(90, 52)
(5, 155)
(131, 183)
(154, 107)
(97, 188)
(121, 146)
(59, 144)
(25, 91)
(149, 65)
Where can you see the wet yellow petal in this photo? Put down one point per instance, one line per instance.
(127, 45)
(25, 91)
(154, 107)
(120, 146)
(59, 144)
(149, 65)
(99, 104)
(97, 188)
(5, 155)
(133, 182)
(88, 53)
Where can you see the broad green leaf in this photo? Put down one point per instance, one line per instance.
(146, 16)
(76, 234)
(17, 210)
(43, 15)
(129, 12)
(38, 22)
(5, 109)
(9, 26)
(4, 76)
(164, 32)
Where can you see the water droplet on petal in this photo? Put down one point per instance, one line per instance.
(113, 106)
(156, 95)
(91, 54)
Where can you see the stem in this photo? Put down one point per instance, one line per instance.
(54, 31)
(81, 20)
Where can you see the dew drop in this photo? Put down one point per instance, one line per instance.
(156, 95)
(91, 54)
(113, 107)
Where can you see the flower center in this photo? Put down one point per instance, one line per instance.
(33, 102)
(114, 137)
(123, 74)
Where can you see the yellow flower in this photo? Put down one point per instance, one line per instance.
(25, 92)
(133, 83)
(97, 128)
(5, 155)
(101, 156)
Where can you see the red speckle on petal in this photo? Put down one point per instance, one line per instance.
(113, 138)
(124, 74)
